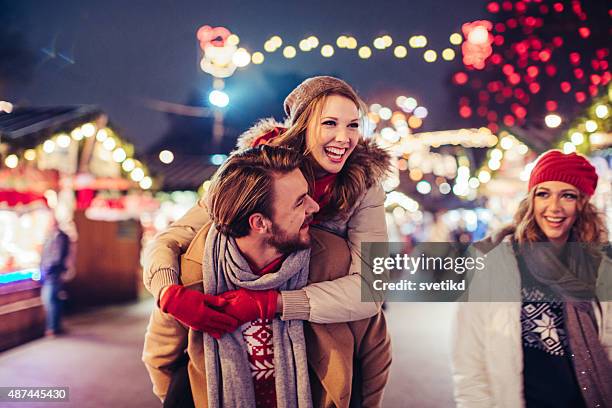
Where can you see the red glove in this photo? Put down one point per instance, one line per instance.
(197, 310)
(248, 305)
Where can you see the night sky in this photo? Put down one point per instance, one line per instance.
(117, 54)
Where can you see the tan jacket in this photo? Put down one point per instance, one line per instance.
(328, 302)
(339, 354)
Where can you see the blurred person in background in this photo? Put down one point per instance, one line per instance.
(53, 266)
(552, 346)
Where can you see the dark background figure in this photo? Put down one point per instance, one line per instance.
(52, 267)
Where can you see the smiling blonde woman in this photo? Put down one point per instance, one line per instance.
(553, 346)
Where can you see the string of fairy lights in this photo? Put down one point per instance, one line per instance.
(275, 44)
(114, 149)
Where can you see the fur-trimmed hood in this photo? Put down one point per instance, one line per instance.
(368, 159)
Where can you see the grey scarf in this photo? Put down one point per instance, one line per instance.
(228, 374)
(573, 279)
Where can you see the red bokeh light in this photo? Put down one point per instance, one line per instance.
(514, 79)
(460, 78)
(496, 59)
(534, 88)
(584, 32)
(500, 27)
(551, 70)
(493, 7)
(533, 71)
(544, 55)
(566, 87)
(519, 93)
(544, 9)
(558, 7)
(593, 90)
(482, 111)
(507, 69)
(557, 42)
(574, 58)
(511, 23)
(530, 21)
(520, 7)
(507, 6)
(606, 77)
(509, 120)
(493, 127)
(579, 73)
(507, 92)
(465, 112)
(603, 65)
(492, 116)
(580, 97)
(552, 105)
(498, 40)
(483, 96)
(595, 79)
(520, 112)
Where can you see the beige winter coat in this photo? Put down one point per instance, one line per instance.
(349, 361)
(326, 302)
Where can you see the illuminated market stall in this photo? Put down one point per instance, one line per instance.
(70, 164)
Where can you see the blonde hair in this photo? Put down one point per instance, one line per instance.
(589, 226)
(347, 188)
(243, 185)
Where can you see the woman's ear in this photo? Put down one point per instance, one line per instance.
(259, 223)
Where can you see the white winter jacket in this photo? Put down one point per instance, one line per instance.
(487, 350)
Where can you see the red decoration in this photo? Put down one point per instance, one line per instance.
(498, 40)
(511, 23)
(520, 112)
(557, 42)
(533, 71)
(508, 69)
(482, 111)
(496, 59)
(593, 90)
(544, 9)
(493, 127)
(460, 78)
(580, 97)
(493, 7)
(520, 7)
(509, 120)
(507, 6)
(574, 58)
(492, 116)
(558, 7)
(584, 32)
(566, 87)
(579, 73)
(519, 93)
(544, 55)
(514, 79)
(534, 88)
(595, 79)
(500, 27)
(552, 105)
(465, 112)
(477, 48)
(551, 70)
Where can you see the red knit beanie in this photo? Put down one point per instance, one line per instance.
(572, 168)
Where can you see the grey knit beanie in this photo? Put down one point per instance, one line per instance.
(311, 88)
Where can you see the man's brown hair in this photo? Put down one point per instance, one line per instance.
(243, 185)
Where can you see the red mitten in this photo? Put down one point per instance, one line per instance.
(248, 305)
(198, 310)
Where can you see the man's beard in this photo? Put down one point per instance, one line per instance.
(286, 243)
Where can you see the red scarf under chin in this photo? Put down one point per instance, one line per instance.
(322, 186)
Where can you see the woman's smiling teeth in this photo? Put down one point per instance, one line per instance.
(555, 220)
(335, 153)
